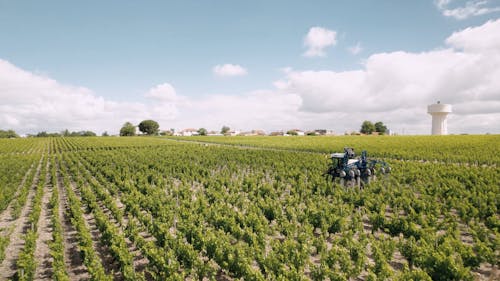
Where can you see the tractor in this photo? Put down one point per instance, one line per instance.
(351, 169)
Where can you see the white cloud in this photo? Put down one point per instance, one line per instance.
(394, 88)
(261, 109)
(229, 70)
(33, 103)
(356, 49)
(467, 9)
(165, 94)
(397, 86)
(317, 39)
(162, 92)
(441, 4)
(484, 38)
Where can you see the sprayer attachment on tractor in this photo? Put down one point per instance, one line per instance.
(351, 169)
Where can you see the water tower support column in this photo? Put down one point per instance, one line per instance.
(439, 114)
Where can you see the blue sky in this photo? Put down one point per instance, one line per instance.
(120, 50)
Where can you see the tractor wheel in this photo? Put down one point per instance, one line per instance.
(351, 173)
(342, 174)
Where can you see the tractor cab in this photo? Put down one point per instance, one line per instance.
(347, 158)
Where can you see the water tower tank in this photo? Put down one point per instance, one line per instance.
(439, 114)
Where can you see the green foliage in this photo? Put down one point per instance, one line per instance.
(4, 242)
(202, 131)
(66, 133)
(44, 134)
(367, 127)
(461, 149)
(7, 134)
(127, 130)
(380, 128)
(413, 275)
(225, 130)
(57, 244)
(16, 173)
(196, 211)
(149, 127)
(26, 263)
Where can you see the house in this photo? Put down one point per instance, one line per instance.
(259, 132)
(189, 132)
(233, 133)
(277, 133)
(298, 132)
(253, 133)
(214, 133)
(324, 132)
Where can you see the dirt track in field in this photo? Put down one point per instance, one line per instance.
(19, 227)
(140, 261)
(42, 251)
(6, 216)
(74, 264)
(103, 251)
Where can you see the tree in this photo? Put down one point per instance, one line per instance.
(127, 129)
(8, 134)
(44, 134)
(224, 130)
(149, 127)
(367, 127)
(165, 133)
(86, 134)
(105, 134)
(202, 131)
(380, 128)
(292, 133)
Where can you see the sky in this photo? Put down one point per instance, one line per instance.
(272, 65)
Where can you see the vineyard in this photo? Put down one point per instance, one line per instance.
(253, 208)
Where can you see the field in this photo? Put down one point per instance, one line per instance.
(247, 208)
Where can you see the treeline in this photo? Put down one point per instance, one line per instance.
(7, 134)
(64, 133)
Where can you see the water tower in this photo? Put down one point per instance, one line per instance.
(439, 113)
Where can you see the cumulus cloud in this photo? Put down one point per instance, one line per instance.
(467, 9)
(260, 109)
(317, 40)
(481, 39)
(165, 94)
(397, 86)
(33, 103)
(229, 70)
(394, 88)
